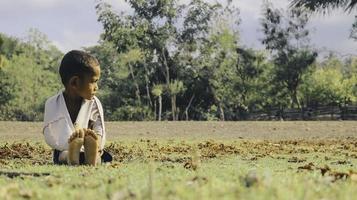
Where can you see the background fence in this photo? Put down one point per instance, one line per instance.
(348, 112)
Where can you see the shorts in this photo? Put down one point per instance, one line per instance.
(105, 157)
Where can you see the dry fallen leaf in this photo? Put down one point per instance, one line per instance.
(324, 170)
(308, 167)
(296, 160)
(339, 176)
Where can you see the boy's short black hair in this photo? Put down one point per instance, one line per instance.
(76, 63)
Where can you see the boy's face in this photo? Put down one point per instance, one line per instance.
(89, 84)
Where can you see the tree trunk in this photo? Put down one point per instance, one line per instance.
(218, 103)
(147, 84)
(295, 99)
(221, 112)
(155, 110)
(188, 106)
(137, 92)
(173, 107)
(166, 72)
(160, 107)
(177, 113)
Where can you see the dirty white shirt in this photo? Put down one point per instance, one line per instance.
(58, 126)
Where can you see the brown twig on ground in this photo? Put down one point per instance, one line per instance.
(16, 174)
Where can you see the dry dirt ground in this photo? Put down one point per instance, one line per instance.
(205, 160)
(13, 131)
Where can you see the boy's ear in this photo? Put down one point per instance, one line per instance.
(74, 82)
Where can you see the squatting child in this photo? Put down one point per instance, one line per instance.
(74, 121)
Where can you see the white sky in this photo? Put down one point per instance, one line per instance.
(72, 24)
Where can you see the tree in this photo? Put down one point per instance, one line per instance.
(28, 98)
(172, 38)
(176, 87)
(9, 46)
(250, 66)
(327, 5)
(151, 29)
(129, 59)
(27, 78)
(6, 94)
(350, 67)
(157, 91)
(353, 33)
(323, 5)
(328, 86)
(286, 39)
(114, 78)
(210, 54)
(38, 46)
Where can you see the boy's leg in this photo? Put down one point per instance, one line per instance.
(75, 143)
(91, 148)
(63, 157)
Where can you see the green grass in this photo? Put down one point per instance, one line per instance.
(193, 168)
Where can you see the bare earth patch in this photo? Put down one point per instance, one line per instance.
(189, 160)
(272, 130)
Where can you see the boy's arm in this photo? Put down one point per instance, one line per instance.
(46, 131)
(96, 126)
(56, 134)
(96, 123)
(56, 130)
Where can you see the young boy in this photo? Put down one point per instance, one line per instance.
(74, 121)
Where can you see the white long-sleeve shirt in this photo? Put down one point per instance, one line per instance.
(58, 126)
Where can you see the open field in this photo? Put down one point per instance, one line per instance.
(201, 130)
(190, 160)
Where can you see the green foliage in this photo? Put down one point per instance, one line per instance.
(3, 61)
(286, 40)
(350, 66)
(353, 33)
(27, 77)
(176, 87)
(157, 90)
(9, 46)
(132, 113)
(328, 84)
(170, 54)
(325, 5)
(6, 87)
(164, 45)
(172, 61)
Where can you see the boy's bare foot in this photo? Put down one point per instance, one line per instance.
(75, 143)
(91, 147)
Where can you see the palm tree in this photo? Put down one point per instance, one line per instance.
(175, 87)
(326, 5)
(323, 5)
(157, 91)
